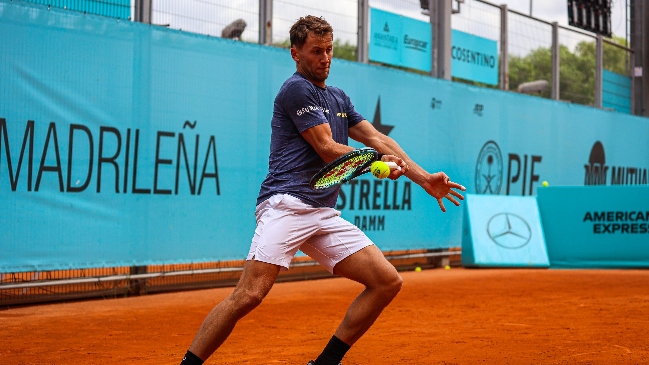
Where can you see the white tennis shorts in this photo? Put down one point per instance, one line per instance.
(286, 224)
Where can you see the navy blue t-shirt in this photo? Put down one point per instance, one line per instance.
(300, 105)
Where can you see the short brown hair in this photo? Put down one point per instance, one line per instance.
(308, 24)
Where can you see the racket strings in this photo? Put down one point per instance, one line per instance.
(343, 171)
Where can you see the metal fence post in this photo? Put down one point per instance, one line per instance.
(432, 18)
(599, 62)
(440, 21)
(142, 11)
(504, 52)
(631, 74)
(555, 62)
(265, 21)
(639, 39)
(362, 53)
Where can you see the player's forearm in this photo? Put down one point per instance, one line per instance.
(331, 150)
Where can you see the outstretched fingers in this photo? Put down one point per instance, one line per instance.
(453, 185)
(441, 205)
(440, 187)
(452, 194)
(456, 194)
(452, 199)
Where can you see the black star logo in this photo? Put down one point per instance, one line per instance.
(383, 128)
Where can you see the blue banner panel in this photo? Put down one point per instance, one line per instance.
(385, 37)
(416, 51)
(126, 144)
(502, 231)
(616, 92)
(596, 227)
(111, 8)
(129, 144)
(474, 58)
(400, 41)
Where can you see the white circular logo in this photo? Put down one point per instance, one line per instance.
(489, 170)
(509, 230)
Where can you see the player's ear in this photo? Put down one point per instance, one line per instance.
(294, 54)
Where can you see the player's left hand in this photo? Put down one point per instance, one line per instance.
(440, 186)
(395, 173)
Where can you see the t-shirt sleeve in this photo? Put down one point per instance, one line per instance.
(300, 102)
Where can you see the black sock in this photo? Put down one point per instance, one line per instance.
(333, 352)
(191, 359)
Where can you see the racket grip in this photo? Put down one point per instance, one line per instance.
(393, 165)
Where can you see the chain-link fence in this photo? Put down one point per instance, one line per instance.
(341, 14)
(577, 69)
(474, 17)
(209, 17)
(479, 18)
(529, 53)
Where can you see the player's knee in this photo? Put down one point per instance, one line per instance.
(392, 286)
(248, 300)
(397, 284)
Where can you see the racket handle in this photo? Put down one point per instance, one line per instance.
(393, 165)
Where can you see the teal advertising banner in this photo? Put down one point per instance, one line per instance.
(130, 144)
(616, 92)
(474, 58)
(596, 226)
(416, 51)
(502, 231)
(385, 37)
(400, 41)
(113, 8)
(124, 144)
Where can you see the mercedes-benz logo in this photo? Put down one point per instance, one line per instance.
(509, 230)
(489, 169)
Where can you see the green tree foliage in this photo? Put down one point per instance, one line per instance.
(576, 70)
(345, 50)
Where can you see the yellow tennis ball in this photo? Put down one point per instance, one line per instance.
(418, 269)
(447, 267)
(545, 184)
(380, 169)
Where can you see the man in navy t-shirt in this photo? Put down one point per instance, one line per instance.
(299, 106)
(311, 125)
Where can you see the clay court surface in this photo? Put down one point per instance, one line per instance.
(457, 316)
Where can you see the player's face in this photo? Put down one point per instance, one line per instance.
(314, 58)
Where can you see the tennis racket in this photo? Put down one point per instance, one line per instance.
(345, 168)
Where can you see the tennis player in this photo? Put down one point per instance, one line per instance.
(310, 127)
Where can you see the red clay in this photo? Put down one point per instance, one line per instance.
(455, 316)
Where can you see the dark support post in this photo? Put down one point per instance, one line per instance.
(142, 11)
(137, 286)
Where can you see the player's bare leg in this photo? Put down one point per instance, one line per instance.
(256, 281)
(382, 283)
